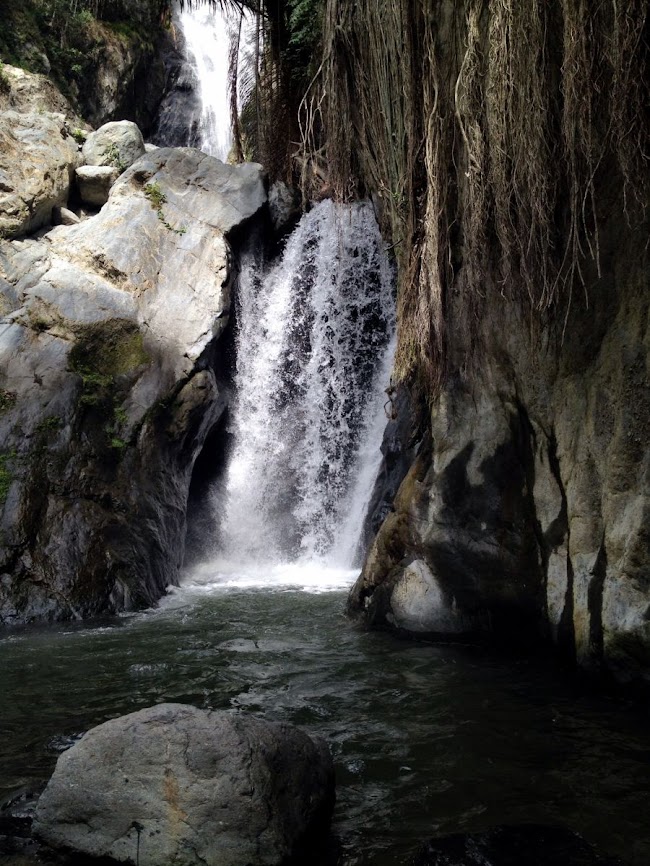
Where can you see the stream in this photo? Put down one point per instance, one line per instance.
(427, 739)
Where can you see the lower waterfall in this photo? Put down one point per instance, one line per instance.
(315, 343)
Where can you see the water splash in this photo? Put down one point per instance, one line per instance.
(314, 349)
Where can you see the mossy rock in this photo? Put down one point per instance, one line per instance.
(108, 349)
(107, 355)
(6, 473)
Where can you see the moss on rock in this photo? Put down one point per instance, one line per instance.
(107, 356)
(108, 349)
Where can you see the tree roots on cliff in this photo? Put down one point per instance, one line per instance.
(484, 128)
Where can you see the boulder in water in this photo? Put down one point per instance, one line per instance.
(183, 785)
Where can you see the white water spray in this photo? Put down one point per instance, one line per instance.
(314, 349)
(207, 36)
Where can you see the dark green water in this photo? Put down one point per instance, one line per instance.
(427, 739)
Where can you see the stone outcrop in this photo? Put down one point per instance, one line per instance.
(38, 154)
(128, 78)
(526, 512)
(182, 785)
(37, 162)
(30, 92)
(179, 114)
(109, 63)
(42, 170)
(107, 385)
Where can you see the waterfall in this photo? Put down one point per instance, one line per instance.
(314, 349)
(207, 42)
(315, 335)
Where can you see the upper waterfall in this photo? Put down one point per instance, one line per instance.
(207, 39)
(314, 351)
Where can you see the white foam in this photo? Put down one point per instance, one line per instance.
(219, 576)
(314, 350)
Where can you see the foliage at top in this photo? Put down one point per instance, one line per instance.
(286, 56)
(62, 38)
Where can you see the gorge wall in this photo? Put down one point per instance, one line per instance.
(112, 59)
(507, 149)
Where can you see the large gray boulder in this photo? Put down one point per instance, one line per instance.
(37, 162)
(198, 787)
(108, 330)
(118, 144)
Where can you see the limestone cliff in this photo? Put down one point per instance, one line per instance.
(526, 512)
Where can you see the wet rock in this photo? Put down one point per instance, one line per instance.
(195, 786)
(418, 604)
(528, 500)
(118, 144)
(94, 183)
(284, 206)
(179, 114)
(402, 437)
(529, 844)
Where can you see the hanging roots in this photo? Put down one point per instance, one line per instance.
(482, 127)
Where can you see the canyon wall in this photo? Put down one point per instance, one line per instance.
(507, 153)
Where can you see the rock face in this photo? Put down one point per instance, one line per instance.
(108, 62)
(204, 787)
(38, 152)
(527, 509)
(128, 78)
(107, 385)
(31, 93)
(179, 113)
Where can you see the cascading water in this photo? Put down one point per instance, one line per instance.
(314, 350)
(314, 353)
(206, 31)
